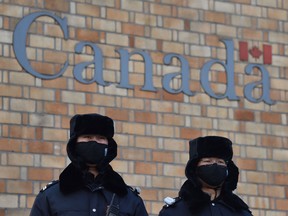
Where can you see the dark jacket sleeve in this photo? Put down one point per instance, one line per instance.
(40, 206)
(170, 212)
(140, 209)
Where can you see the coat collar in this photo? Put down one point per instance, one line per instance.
(73, 179)
(195, 198)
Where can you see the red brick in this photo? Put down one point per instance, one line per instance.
(87, 35)
(2, 187)
(161, 156)
(282, 204)
(83, 109)
(19, 187)
(22, 132)
(42, 174)
(10, 145)
(272, 118)
(146, 117)
(10, 91)
(131, 41)
(271, 141)
(189, 133)
(145, 168)
(146, 94)
(117, 114)
(160, 45)
(132, 29)
(173, 97)
(273, 191)
(39, 133)
(44, 68)
(246, 164)
(56, 108)
(40, 147)
(244, 115)
(187, 25)
(149, 194)
(59, 83)
(280, 179)
(57, 5)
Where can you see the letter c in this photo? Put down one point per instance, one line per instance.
(19, 42)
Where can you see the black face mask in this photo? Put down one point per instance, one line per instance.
(213, 175)
(91, 152)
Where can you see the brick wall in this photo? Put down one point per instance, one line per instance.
(152, 128)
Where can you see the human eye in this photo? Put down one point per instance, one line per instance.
(101, 137)
(206, 160)
(221, 162)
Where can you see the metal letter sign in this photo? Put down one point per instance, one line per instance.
(19, 45)
(229, 68)
(19, 42)
(98, 62)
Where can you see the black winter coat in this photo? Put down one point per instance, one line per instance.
(72, 195)
(194, 202)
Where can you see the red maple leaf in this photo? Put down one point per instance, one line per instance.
(255, 52)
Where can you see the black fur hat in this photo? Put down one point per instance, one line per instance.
(212, 146)
(92, 123)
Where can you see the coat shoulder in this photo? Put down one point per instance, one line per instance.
(172, 203)
(135, 190)
(174, 206)
(49, 185)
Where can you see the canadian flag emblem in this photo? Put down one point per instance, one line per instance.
(255, 52)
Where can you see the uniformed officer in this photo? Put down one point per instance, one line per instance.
(88, 185)
(211, 178)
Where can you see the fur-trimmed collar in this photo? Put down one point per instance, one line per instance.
(195, 198)
(73, 179)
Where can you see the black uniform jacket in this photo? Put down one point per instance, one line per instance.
(72, 196)
(196, 203)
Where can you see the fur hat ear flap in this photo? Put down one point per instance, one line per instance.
(232, 178)
(190, 172)
(111, 154)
